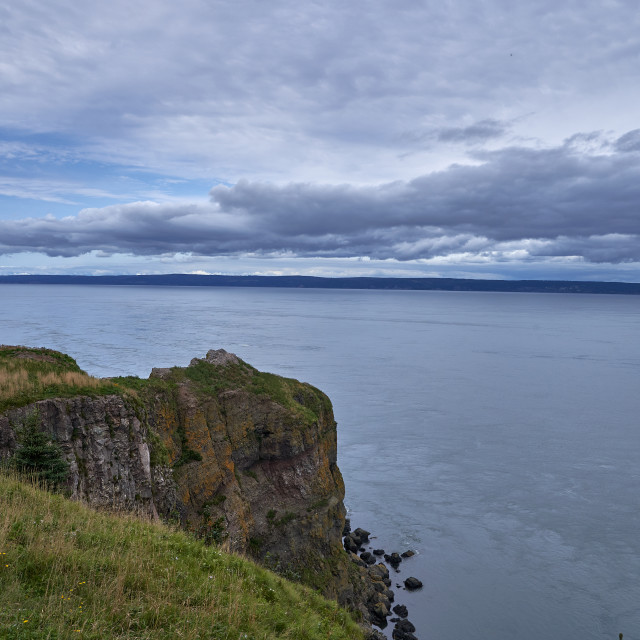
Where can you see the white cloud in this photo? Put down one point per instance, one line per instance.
(314, 91)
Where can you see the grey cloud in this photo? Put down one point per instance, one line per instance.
(478, 132)
(630, 141)
(473, 134)
(515, 193)
(611, 248)
(516, 202)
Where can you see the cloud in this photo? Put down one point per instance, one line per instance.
(477, 132)
(49, 190)
(515, 204)
(315, 90)
(629, 142)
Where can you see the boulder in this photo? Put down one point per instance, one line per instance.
(379, 572)
(405, 625)
(354, 558)
(218, 357)
(394, 559)
(379, 586)
(412, 584)
(379, 614)
(350, 545)
(396, 634)
(362, 534)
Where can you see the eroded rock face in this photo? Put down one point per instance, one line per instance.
(272, 477)
(105, 444)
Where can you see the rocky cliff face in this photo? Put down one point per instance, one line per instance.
(106, 445)
(239, 457)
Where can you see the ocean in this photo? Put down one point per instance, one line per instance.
(495, 434)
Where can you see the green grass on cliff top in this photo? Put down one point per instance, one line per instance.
(67, 571)
(28, 375)
(308, 402)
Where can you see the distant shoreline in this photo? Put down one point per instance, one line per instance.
(311, 282)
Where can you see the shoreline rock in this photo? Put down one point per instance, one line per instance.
(379, 595)
(412, 584)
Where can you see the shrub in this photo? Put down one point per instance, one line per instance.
(37, 456)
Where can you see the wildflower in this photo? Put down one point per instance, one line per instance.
(25, 621)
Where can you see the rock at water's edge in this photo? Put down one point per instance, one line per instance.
(412, 584)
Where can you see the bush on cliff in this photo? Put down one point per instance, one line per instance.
(67, 571)
(37, 456)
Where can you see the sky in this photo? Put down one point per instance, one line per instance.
(466, 138)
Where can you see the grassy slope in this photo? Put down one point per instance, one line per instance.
(67, 571)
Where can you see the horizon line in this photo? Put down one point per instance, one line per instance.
(335, 282)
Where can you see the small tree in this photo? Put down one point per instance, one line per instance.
(37, 456)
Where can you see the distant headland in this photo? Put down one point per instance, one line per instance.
(312, 282)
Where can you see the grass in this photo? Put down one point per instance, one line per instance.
(70, 572)
(304, 400)
(28, 375)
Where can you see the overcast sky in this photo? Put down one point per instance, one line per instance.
(469, 138)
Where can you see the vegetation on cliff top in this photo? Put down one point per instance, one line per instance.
(67, 571)
(29, 374)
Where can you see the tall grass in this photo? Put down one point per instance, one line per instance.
(15, 380)
(70, 572)
(27, 379)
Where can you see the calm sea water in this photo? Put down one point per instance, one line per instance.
(495, 434)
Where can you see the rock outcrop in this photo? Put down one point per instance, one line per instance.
(239, 457)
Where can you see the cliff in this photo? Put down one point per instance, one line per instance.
(237, 456)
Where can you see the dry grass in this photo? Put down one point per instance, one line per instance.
(15, 380)
(27, 379)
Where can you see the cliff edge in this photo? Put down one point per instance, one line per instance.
(239, 457)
